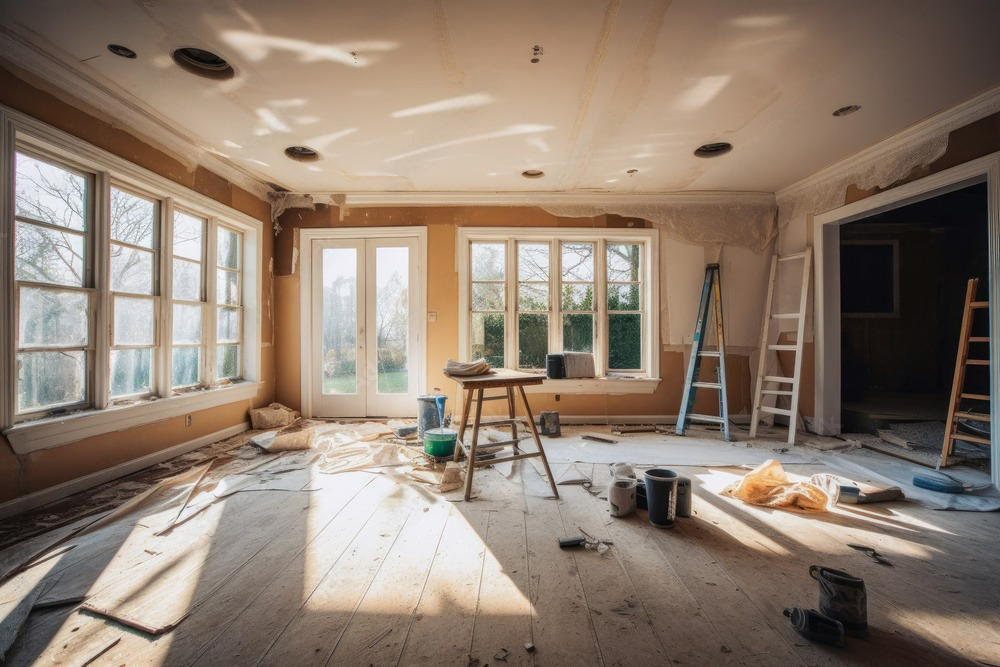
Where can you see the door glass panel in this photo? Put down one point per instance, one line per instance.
(392, 321)
(340, 316)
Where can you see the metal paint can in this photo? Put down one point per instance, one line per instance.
(683, 497)
(548, 421)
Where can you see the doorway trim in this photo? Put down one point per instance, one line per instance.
(826, 241)
(306, 238)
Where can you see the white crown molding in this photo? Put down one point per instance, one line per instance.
(601, 199)
(958, 116)
(124, 109)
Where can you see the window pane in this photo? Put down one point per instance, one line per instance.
(578, 297)
(228, 328)
(47, 256)
(623, 262)
(188, 232)
(340, 317)
(532, 340)
(533, 262)
(228, 249)
(533, 296)
(131, 371)
(623, 297)
(488, 261)
(49, 193)
(133, 219)
(187, 366)
(625, 341)
(227, 361)
(134, 321)
(392, 318)
(131, 270)
(488, 337)
(50, 379)
(227, 287)
(52, 318)
(187, 280)
(578, 333)
(578, 261)
(187, 324)
(487, 296)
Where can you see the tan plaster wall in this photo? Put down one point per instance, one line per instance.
(20, 475)
(442, 277)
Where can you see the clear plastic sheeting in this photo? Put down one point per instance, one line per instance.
(769, 485)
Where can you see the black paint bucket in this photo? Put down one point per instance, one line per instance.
(683, 497)
(555, 366)
(661, 496)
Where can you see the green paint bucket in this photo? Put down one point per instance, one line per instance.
(440, 441)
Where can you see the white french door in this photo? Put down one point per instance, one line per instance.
(366, 344)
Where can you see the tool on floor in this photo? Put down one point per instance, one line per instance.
(780, 385)
(871, 553)
(816, 627)
(712, 287)
(958, 393)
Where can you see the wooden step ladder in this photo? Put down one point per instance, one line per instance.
(776, 385)
(965, 341)
(712, 287)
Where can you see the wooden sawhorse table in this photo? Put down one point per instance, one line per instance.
(474, 387)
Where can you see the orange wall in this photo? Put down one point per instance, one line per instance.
(442, 297)
(20, 475)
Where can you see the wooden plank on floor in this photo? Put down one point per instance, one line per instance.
(308, 638)
(503, 618)
(561, 625)
(622, 625)
(378, 627)
(441, 633)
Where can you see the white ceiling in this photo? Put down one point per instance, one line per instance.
(441, 95)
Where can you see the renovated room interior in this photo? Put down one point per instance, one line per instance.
(216, 214)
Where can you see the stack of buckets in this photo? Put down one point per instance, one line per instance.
(662, 493)
(438, 440)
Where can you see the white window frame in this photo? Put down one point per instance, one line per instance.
(635, 383)
(19, 131)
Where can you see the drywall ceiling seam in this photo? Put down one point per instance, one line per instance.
(379, 199)
(124, 113)
(941, 123)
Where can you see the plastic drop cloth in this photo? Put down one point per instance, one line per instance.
(769, 485)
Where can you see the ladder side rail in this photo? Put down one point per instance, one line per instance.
(720, 333)
(951, 425)
(764, 337)
(687, 400)
(799, 336)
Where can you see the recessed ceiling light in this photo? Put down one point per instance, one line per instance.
(713, 150)
(846, 111)
(532, 173)
(632, 171)
(301, 153)
(203, 63)
(122, 51)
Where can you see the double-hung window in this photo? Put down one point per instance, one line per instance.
(526, 293)
(126, 288)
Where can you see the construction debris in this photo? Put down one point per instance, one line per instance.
(769, 485)
(275, 415)
(871, 553)
(467, 368)
(599, 437)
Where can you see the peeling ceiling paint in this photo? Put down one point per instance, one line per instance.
(444, 96)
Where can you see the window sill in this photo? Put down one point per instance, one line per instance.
(615, 386)
(50, 432)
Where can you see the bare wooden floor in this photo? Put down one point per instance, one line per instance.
(368, 571)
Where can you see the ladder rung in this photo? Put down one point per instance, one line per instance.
(775, 392)
(712, 419)
(970, 438)
(785, 316)
(972, 416)
(709, 353)
(502, 422)
(782, 347)
(979, 304)
(775, 378)
(775, 411)
(788, 258)
(707, 385)
(978, 362)
(502, 397)
(488, 446)
(979, 339)
(977, 397)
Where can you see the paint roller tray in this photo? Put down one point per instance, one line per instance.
(440, 441)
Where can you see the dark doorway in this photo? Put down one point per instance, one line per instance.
(903, 282)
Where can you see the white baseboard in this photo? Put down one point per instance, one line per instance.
(636, 419)
(45, 496)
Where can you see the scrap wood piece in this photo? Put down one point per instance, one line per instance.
(599, 437)
(893, 439)
(573, 475)
(15, 613)
(202, 471)
(619, 429)
(88, 654)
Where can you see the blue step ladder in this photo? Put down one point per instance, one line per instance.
(712, 288)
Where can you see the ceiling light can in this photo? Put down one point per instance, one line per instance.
(302, 154)
(532, 173)
(847, 111)
(122, 51)
(202, 63)
(714, 149)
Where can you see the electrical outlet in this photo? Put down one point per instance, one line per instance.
(557, 398)
(187, 420)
